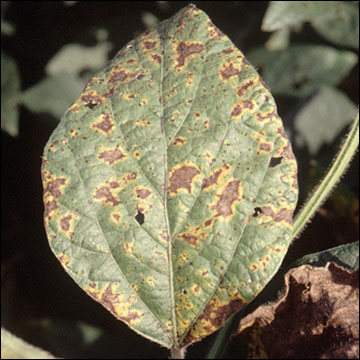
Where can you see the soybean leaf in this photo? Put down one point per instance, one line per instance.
(169, 185)
(337, 21)
(10, 90)
(53, 94)
(302, 69)
(332, 109)
(346, 256)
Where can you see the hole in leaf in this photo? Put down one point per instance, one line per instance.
(91, 105)
(140, 217)
(275, 161)
(184, 292)
(257, 212)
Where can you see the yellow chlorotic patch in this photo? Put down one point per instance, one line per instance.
(130, 96)
(179, 141)
(214, 31)
(254, 267)
(143, 102)
(135, 287)
(115, 217)
(209, 158)
(168, 325)
(206, 123)
(150, 281)
(183, 257)
(136, 154)
(103, 125)
(189, 79)
(73, 133)
(129, 247)
(193, 235)
(196, 289)
(64, 259)
(142, 123)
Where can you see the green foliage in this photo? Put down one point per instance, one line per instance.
(10, 89)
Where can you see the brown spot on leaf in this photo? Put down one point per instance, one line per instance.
(184, 49)
(243, 88)
(182, 177)
(54, 185)
(91, 99)
(121, 75)
(156, 58)
(111, 156)
(238, 108)
(142, 193)
(283, 214)
(224, 206)
(265, 147)
(193, 235)
(65, 222)
(213, 317)
(213, 178)
(179, 141)
(104, 124)
(149, 44)
(228, 70)
(214, 31)
(105, 193)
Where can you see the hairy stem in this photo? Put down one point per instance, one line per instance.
(334, 174)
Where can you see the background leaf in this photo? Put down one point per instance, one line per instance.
(323, 117)
(300, 70)
(10, 89)
(169, 185)
(346, 256)
(53, 94)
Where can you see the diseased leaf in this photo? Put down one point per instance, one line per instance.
(169, 185)
(317, 316)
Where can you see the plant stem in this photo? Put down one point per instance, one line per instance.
(177, 353)
(334, 174)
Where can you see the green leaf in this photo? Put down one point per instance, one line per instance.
(344, 255)
(75, 58)
(10, 89)
(282, 14)
(169, 185)
(337, 21)
(300, 70)
(53, 94)
(13, 347)
(332, 109)
(341, 27)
